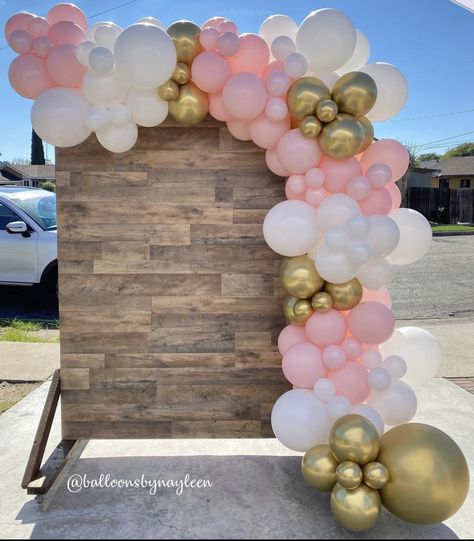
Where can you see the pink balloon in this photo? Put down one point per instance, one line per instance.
(315, 177)
(315, 196)
(214, 22)
(67, 12)
(20, 21)
(274, 164)
(276, 110)
(28, 76)
(66, 32)
(350, 381)
(339, 172)
(244, 96)
(379, 175)
(20, 41)
(377, 202)
(227, 26)
(352, 348)
(371, 322)
(293, 196)
(210, 71)
(389, 152)
(208, 38)
(358, 188)
(228, 43)
(302, 365)
(63, 66)
(38, 27)
(334, 357)
(217, 108)
(296, 184)
(325, 329)
(377, 295)
(253, 55)
(239, 129)
(278, 83)
(395, 194)
(290, 336)
(266, 133)
(42, 46)
(298, 153)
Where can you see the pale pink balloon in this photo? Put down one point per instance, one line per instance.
(379, 175)
(217, 108)
(350, 381)
(395, 194)
(371, 322)
(274, 164)
(28, 76)
(339, 172)
(19, 21)
(315, 196)
(377, 202)
(389, 152)
(38, 27)
(277, 83)
(214, 22)
(67, 12)
(352, 348)
(302, 365)
(325, 329)
(228, 44)
(227, 26)
(296, 184)
(290, 336)
(293, 196)
(42, 46)
(239, 129)
(315, 177)
(63, 66)
(377, 295)
(298, 153)
(66, 32)
(276, 110)
(210, 71)
(244, 95)
(208, 38)
(273, 67)
(334, 357)
(266, 133)
(358, 188)
(253, 55)
(20, 41)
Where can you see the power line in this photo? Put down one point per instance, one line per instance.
(432, 116)
(445, 139)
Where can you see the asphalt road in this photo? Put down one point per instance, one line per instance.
(27, 303)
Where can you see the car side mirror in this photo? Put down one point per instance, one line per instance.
(15, 228)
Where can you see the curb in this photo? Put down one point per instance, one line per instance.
(452, 233)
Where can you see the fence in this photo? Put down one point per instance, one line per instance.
(443, 205)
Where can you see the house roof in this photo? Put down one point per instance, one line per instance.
(36, 171)
(457, 166)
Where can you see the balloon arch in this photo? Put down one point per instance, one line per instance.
(306, 94)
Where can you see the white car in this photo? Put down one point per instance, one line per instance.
(28, 237)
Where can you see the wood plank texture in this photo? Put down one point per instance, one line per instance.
(169, 303)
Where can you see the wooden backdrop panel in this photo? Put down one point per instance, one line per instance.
(169, 300)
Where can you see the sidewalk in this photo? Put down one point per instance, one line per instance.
(27, 361)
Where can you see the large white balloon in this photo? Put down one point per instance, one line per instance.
(97, 118)
(290, 228)
(58, 117)
(148, 109)
(359, 57)
(118, 138)
(392, 90)
(335, 211)
(152, 20)
(299, 420)
(335, 267)
(415, 236)
(396, 405)
(278, 25)
(420, 350)
(106, 35)
(105, 89)
(327, 39)
(145, 56)
(384, 235)
(375, 274)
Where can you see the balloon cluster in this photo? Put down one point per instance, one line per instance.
(416, 471)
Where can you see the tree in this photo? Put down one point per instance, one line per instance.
(464, 149)
(37, 151)
(20, 161)
(428, 156)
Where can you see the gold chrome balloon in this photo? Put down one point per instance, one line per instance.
(429, 475)
(319, 468)
(302, 310)
(168, 91)
(355, 93)
(345, 296)
(349, 475)
(326, 110)
(181, 73)
(304, 95)
(368, 133)
(341, 138)
(185, 36)
(310, 126)
(321, 302)
(356, 510)
(299, 277)
(376, 475)
(191, 105)
(354, 438)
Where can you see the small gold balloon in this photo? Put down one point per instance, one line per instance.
(349, 475)
(326, 110)
(310, 126)
(319, 468)
(299, 277)
(185, 36)
(168, 91)
(368, 133)
(181, 73)
(345, 296)
(376, 475)
(429, 475)
(355, 93)
(289, 305)
(191, 105)
(341, 138)
(302, 310)
(322, 302)
(304, 95)
(356, 510)
(354, 438)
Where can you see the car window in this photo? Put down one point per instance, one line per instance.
(42, 208)
(6, 216)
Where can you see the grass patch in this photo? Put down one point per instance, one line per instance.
(449, 228)
(16, 330)
(4, 406)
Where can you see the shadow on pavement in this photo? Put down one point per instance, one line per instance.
(27, 303)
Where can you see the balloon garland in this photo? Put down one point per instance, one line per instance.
(306, 95)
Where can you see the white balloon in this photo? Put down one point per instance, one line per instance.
(290, 228)
(420, 350)
(145, 56)
(335, 211)
(379, 378)
(299, 420)
(324, 390)
(97, 118)
(282, 46)
(296, 65)
(383, 236)
(101, 60)
(336, 239)
(359, 57)
(371, 358)
(358, 251)
(358, 227)
(83, 51)
(104, 89)
(148, 109)
(106, 35)
(90, 34)
(58, 117)
(337, 407)
(328, 78)
(277, 25)
(371, 414)
(415, 236)
(327, 39)
(334, 267)
(152, 20)
(375, 274)
(118, 138)
(120, 114)
(392, 90)
(396, 366)
(396, 405)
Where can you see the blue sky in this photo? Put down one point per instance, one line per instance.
(431, 41)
